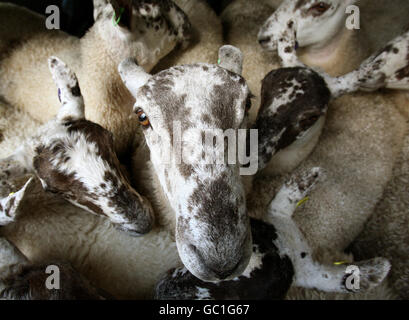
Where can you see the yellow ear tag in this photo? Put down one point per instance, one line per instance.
(12, 194)
(302, 201)
(341, 263)
(218, 61)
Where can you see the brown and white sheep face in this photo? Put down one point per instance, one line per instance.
(151, 29)
(303, 23)
(179, 108)
(75, 159)
(294, 103)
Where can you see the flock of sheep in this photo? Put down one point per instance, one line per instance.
(84, 185)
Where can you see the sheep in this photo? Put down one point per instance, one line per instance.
(112, 260)
(365, 123)
(154, 243)
(147, 31)
(335, 48)
(158, 240)
(281, 257)
(206, 38)
(55, 153)
(70, 233)
(20, 279)
(355, 190)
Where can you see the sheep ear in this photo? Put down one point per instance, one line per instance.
(122, 10)
(69, 91)
(99, 6)
(10, 205)
(133, 75)
(231, 58)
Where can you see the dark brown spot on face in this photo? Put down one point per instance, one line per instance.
(186, 170)
(206, 119)
(288, 49)
(388, 48)
(76, 92)
(403, 73)
(299, 4)
(224, 100)
(173, 106)
(57, 182)
(94, 133)
(215, 206)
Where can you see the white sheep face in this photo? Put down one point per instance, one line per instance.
(311, 22)
(147, 30)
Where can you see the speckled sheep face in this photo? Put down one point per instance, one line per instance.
(294, 103)
(179, 109)
(75, 159)
(310, 22)
(152, 28)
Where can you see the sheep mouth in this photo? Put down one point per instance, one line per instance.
(130, 232)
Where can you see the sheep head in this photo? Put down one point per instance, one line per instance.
(302, 23)
(181, 109)
(150, 29)
(75, 159)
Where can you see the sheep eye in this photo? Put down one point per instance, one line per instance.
(319, 8)
(248, 104)
(142, 117)
(308, 122)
